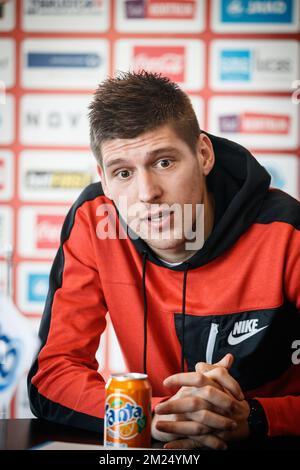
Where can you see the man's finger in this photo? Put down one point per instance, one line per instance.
(182, 444)
(216, 398)
(226, 362)
(188, 379)
(202, 417)
(206, 398)
(183, 428)
(182, 405)
(223, 378)
(209, 440)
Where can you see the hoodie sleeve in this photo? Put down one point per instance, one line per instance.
(63, 383)
(283, 413)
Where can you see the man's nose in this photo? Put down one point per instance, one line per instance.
(149, 188)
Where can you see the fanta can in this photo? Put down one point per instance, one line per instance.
(127, 419)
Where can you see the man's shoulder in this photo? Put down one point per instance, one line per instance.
(91, 192)
(279, 206)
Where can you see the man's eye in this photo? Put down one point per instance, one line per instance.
(123, 174)
(164, 163)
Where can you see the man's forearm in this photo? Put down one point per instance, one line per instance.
(283, 415)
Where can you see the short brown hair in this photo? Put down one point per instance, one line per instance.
(132, 103)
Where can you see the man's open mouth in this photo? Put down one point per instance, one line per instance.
(157, 217)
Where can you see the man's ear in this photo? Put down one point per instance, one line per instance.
(101, 174)
(99, 171)
(206, 153)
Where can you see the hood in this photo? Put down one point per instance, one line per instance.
(239, 185)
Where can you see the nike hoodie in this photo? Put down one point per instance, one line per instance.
(239, 294)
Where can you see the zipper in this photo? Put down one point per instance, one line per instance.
(214, 328)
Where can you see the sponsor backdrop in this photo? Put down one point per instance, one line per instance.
(237, 59)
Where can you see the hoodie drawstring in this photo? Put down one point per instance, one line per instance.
(183, 313)
(145, 255)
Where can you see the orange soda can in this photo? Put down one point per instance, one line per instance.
(127, 419)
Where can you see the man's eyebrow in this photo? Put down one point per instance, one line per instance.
(156, 152)
(116, 161)
(149, 155)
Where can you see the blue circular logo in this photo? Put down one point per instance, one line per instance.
(10, 355)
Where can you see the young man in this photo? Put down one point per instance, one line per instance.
(219, 321)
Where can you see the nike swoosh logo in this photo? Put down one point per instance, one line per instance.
(233, 341)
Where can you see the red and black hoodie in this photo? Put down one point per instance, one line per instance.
(239, 294)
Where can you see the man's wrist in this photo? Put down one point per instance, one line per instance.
(257, 420)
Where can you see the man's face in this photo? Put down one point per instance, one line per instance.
(152, 172)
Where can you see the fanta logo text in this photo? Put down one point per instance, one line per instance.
(124, 418)
(124, 414)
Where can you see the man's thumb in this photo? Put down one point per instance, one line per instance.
(226, 361)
